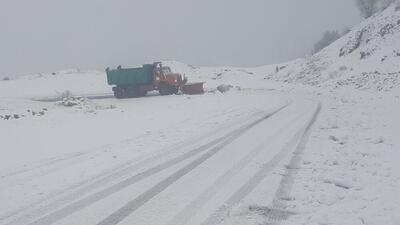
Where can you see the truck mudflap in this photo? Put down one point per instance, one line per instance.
(193, 88)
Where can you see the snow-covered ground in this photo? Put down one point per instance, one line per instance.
(62, 156)
(312, 141)
(350, 172)
(70, 164)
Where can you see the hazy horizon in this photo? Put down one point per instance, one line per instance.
(44, 35)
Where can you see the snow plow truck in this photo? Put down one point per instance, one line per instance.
(136, 82)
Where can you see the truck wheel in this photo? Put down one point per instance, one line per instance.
(174, 90)
(119, 93)
(164, 89)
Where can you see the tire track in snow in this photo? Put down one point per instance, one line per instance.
(69, 159)
(136, 203)
(86, 201)
(73, 192)
(191, 209)
(266, 169)
(275, 215)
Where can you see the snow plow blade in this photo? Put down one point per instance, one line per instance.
(193, 89)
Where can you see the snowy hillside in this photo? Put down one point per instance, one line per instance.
(366, 58)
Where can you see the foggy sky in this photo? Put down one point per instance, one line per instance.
(48, 35)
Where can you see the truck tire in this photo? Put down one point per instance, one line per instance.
(119, 92)
(164, 89)
(174, 90)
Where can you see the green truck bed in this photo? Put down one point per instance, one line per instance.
(131, 76)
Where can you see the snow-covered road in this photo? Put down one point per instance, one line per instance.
(193, 176)
(188, 159)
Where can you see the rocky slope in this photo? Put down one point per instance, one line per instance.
(368, 57)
